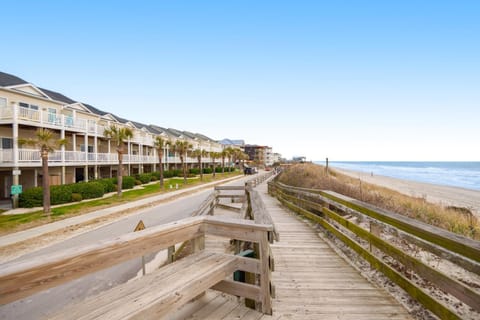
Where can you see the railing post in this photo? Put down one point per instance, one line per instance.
(265, 285)
(198, 243)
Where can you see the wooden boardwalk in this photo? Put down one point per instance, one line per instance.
(311, 280)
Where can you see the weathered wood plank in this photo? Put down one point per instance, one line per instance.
(151, 297)
(54, 269)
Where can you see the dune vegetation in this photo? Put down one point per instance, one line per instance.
(454, 219)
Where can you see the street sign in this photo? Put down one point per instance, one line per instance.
(140, 226)
(16, 172)
(16, 189)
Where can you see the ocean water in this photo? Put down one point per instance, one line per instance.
(456, 174)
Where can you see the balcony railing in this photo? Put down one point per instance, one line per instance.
(48, 119)
(32, 157)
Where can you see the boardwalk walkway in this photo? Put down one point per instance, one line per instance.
(311, 280)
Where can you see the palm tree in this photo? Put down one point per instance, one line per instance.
(46, 142)
(160, 145)
(236, 154)
(183, 147)
(230, 154)
(119, 136)
(214, 155)
(199, 153)
(224, 154)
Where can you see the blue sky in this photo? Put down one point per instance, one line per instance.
(348, 80)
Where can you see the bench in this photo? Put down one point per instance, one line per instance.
(160, 292)
(156, 294)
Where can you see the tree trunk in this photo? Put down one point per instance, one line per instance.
(223, 164)
(160, 157)
(120, 174)
(46, 184)
(184, 167)
(200, 166)
(214, 168)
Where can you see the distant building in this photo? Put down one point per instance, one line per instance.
(263, 155)
(299, 159)
(229, 142)
(277, 157)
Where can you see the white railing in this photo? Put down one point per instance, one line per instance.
(6, 112)
(33, 156)
(6, 155)
(28, 114)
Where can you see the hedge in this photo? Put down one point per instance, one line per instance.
(89, 190)
(144, 177)
(109, 184)
(30, 198)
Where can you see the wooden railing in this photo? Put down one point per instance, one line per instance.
(334, 211)
(260, 178)
(22, 279)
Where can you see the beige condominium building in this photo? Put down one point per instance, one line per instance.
(88, 153)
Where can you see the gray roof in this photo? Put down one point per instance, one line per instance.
(189, 135)
(95, 110)
(57, 96)
(7, 80)
(232, 142)
(175, 132)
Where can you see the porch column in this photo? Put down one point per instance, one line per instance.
(15, 171)
(85, 143)
(35, 177)
(129, 152)
(95, 150)
(62, 136)
(140, 163)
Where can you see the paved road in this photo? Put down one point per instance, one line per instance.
(42, 304)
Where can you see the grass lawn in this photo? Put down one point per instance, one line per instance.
(16, 222)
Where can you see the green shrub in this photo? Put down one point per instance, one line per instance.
(194, 171)
(109, 184)
(207, 170)
(76, 197)
(144, 177)
(167, 174)
(60, 194)
(128, 182)
(89, 190)
(138, 182)
(218, 169)
(156, 175)
(154, 178)
(31, 198)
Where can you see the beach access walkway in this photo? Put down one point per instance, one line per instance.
(311, 281)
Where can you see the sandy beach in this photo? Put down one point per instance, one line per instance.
(444, 195)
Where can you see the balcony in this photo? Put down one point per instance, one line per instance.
(31, 157)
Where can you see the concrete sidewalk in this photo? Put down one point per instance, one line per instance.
(137, 204)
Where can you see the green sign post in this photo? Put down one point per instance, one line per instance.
(16, 189)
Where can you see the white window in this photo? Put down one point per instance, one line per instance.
(6, 143)
(3, 102)
(52, 115)
(82, 148)
(28, 106)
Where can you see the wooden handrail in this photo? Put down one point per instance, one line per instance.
(316, 205)
(22, 279)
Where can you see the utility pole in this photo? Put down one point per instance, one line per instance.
(326, 166)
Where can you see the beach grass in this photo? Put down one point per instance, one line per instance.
(454, 219)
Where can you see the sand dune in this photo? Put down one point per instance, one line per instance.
(444, 195)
